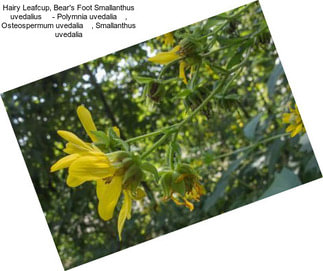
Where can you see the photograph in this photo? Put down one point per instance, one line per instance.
(161, 135)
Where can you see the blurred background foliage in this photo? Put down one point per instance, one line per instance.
(107, 87)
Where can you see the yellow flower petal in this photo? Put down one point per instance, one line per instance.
(290, 128)
(64, 162)
(116, 130)
(108, 195)
(182, 75)
(73, 138)
(125, 212)
(169, 39)
(87, 121)
(297, 130)
(175, 49)
(166, 57)
(73, 181)
(176, 201)
(91, 167)
(189, 205)
(286, 117)
(73, 148)
(295, 122)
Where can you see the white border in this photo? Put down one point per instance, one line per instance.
(283, 232)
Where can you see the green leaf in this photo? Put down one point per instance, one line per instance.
(274, 76)
(219, 190)
(215, 21)
(102, 137)
(217, 69)
(208, 157)
(284, 180)
(177, 148)
(183, 93)
(143, 79)
(166, 184)
(115, 140)
(232, 41)
(311, 165)
(232, 97)
(250, 129)
(131, 172)
(179, 187)
(150, 168)
(305, 142)
(274, 151)
(236, 59)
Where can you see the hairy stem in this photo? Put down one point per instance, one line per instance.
(156, 144)
(164, 130)
(250, 146)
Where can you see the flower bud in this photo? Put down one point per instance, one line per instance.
(182, 185)
(155, 91)
(187, 47)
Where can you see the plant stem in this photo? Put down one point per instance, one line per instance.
(234, 68)
(215, 31)
(240, 11)
(167, 129)
(177, 126)
(228, 19)
(192, 82)
(166, 67)
(216, 50)
(156, 144)
(250, 146)
(208, 98)
(171, 151)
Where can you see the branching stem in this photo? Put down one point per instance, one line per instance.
(250, 146)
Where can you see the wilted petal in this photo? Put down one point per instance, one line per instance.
(125, 212)
(189, 205)
(182, 75)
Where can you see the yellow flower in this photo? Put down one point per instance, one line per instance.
(170, 56)
(167, 39)
(295, 122)
(86, 162)
(167, 57)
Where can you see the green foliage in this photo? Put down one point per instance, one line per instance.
(250, 128)
(233, 142)
(274, 76)
(284, 180)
